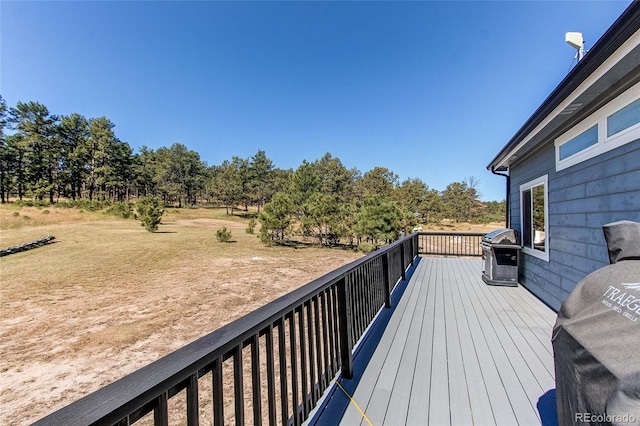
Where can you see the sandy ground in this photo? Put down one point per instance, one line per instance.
(61, 342)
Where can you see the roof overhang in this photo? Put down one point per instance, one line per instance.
(611, 67)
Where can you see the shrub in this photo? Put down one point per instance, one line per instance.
(149, 211)
(251, 226)
(366, 247)
(123, 210)
(223, 235)
(46, 211)
(15, 214)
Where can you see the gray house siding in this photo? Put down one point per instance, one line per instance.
(581, 199)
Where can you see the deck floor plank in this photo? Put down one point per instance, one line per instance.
(457, 351)
(400, 398)
(523, 335)
(501, 379)
(512, 368)
(439, 405)
(460, 406)
(419, 400)
(472, 352)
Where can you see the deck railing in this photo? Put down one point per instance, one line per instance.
(450, 244)
(270, 366)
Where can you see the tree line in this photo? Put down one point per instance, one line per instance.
(49, 157)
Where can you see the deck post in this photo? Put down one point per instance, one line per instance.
(387, 280)
(345, 319)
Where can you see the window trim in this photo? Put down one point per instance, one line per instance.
(542, 180)
(599, 118)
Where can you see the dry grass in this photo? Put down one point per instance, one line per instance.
(108, 297)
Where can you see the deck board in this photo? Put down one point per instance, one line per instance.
(457, 352)
(419, 400)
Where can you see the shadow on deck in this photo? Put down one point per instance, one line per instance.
(453, 350)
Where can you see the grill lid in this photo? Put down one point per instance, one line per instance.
(501, 236)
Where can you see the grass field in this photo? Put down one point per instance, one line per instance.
(107, 297)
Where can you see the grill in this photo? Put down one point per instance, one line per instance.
(500, 256)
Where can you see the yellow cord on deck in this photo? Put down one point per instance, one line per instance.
(355, 403)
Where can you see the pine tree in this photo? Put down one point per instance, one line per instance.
(321, 215)
(73, 131)
(276, 219)
(149, 211)
(261, 176)
(39, 148)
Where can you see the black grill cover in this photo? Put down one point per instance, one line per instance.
(596, 339)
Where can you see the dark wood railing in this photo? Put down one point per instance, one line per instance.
(270, 366)
(450, 244)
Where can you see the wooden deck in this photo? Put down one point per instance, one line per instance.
(454, 351)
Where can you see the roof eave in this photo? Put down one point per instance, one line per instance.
(622, 29)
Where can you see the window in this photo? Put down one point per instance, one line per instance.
(581, 142)
(623, 119)
(613, 125)
(534, 211)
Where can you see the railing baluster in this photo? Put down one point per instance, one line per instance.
(238, 378)
(332, 332)
(218, 401)
(294, 369)
(284, 390)
(316, 317)
(336, 327)
(374, 289)
(271, 375)
(255, 380)
(360, 303)
(312, 371)
(193, 417)
(370, 291)
(304, 372)
(161, 411)
(354, 292)
(325, 339)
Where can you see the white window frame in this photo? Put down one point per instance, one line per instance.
(542, 180)
(599, 118)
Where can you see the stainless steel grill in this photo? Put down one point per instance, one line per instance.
(500, 255)
(503, 236)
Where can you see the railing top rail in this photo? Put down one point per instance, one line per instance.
(116, 400)
(454, 233)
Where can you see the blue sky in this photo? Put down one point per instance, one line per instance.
(430, 90)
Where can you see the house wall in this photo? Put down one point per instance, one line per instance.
(581, 199)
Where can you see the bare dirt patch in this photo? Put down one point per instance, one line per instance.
(108, 298)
